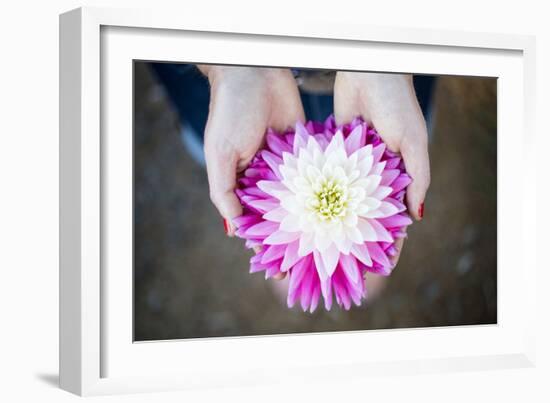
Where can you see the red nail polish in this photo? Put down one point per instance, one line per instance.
(421, 210)
(226, 226)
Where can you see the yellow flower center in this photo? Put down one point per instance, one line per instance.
(331, 201)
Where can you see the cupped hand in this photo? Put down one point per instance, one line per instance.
(244, 102)
(389, 103)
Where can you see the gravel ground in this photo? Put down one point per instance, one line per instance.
(191, 281)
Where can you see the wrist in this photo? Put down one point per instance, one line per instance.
(229, 73)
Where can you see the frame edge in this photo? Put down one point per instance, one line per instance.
(70, 120)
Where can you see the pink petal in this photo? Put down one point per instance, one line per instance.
(300, 138)
(388, 176)
(272, 253)
(290, 257)
(315, 297)
(326, 291)
(264, 228)
(377, 152)
(245, 220)
(354, 140)
(392, 163)
(273, 161)
(399, 220)
(401, 183)
(376, 253)
(264, 205)
(306, 290)
(400, 206)
(277, 144)
(297, 273)
(382, 233)
(350, 268)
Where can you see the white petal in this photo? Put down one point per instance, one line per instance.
(350, 219)
(362, 253)
(312, 145)
(354, 234)
(357, 193)
(365, 165)
(290, 224)
(384, 210)
(337, 142)
(292, 205)
(330, 259)
(367, 231)
(322, 240)
(273, 188)
(290, 160)
(363, 152)
(382, 192)
(378, 168)
(313, 173)
(320, 266)
(288, 173)
(276, 215)
(370, 203)
(339, 238)
(281, 237)
(307, 244)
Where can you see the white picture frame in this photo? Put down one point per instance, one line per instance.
(97, 353)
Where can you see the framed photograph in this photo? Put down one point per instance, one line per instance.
(333, 265)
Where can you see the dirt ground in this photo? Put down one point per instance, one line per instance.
(192, 281)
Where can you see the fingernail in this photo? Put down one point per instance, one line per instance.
(226, 226)
(421, 210)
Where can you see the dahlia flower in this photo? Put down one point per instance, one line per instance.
(324, 203)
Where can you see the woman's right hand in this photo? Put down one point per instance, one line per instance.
(244, 102)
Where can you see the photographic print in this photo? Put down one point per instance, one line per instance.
(289, 200)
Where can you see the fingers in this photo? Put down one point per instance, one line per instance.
(287, 106)
(399, 247)
(222, 180)
(346, 99)
(279, 276)
(221, 167)
(414, 150)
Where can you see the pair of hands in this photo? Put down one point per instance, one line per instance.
(245, 101)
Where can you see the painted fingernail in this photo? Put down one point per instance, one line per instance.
(226, 226)
(421, 210)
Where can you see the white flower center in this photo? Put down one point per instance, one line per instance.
(330, 197)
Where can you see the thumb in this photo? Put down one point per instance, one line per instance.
(414, 151)
(221, 169)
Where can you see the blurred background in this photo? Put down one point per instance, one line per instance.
(191, 281)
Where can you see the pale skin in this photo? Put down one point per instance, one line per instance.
(249, 100)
